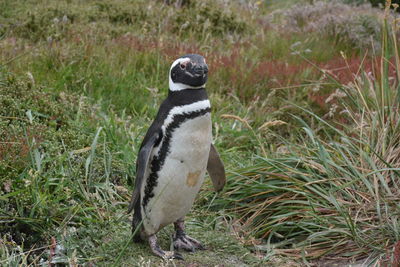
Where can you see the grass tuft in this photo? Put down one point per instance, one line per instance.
(333, 192)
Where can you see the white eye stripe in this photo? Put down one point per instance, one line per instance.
(179, 61)
(180, 86)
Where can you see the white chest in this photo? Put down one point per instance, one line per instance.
(191, 141)
(182, 174)
(186, 163)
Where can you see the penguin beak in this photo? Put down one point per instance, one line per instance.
(200, 70)
(197, 73)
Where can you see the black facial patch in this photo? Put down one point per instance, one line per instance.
(192, 73)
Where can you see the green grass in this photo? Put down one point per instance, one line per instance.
(308, 179)
(332, 192)
(72, 183)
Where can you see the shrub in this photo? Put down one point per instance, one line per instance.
(373, 2)
(355, 27)
(201, 18)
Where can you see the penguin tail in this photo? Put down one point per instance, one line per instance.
(137, 227)
(137, 230)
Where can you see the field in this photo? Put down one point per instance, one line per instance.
(305, 103)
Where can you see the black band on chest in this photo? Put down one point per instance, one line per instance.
(158, 160)
(186, 96)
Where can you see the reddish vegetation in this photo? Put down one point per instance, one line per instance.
(173, 49)
(345, 70)
(233, 60)
(281, 73)
(396, 255)
(170, 49)
(13, 145)
(267, 73)
(52, 250)
(17, 146)
(277, 73)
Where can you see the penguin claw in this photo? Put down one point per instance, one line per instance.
(187, 243)
(177, 256)
(166, 255)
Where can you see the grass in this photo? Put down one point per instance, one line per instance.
(306, 125)
(334, 192)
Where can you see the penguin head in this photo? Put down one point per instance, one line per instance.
(188, 72)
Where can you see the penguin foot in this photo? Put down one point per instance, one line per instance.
(166, 255)
(185, 242)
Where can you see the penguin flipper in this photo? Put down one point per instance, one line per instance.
(141, 164)
(216, 169)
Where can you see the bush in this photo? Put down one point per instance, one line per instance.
(355, 27)
(375, 3)
(201, 18)
(382, 2)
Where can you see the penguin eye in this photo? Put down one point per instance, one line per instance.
(182, 66)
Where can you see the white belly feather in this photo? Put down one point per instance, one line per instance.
(182, 174)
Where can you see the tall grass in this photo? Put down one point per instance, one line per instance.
(335, 190)
(64, 167)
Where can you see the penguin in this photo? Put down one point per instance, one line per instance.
(173, 158)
